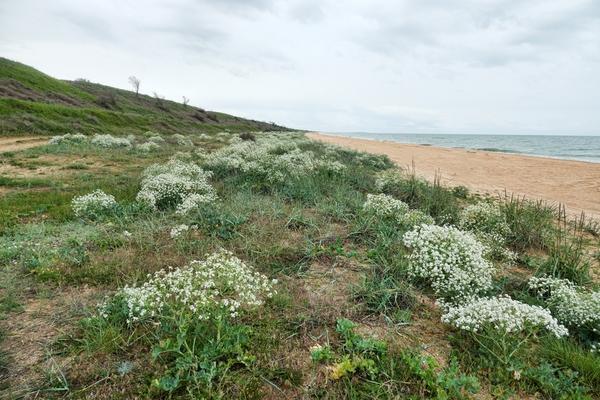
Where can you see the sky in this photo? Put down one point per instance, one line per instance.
(421, 66)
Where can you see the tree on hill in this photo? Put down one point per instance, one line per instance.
(135, 82)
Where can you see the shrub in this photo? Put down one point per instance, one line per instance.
(502, 314)
(273, 159)
(488, 223)
(385, 206)
(451, 260)
(69, 138)
(109, 141)
(574, 307)
(93, 205)
(499, 328)
(170, 185)
(182, 140)
(221, 284)
(147, 147)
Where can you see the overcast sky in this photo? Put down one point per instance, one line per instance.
(432, 66)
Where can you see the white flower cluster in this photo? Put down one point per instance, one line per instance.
(385, 206)
(181, 140)
(488, 223)
(156, 139)
(221, 283)
(69, 138)
(389, 179)
(502, 314)
(170, 184)
(109, 141)
(93, 204)
(148, 147)
(415, 218)
(176, 231)
(273, 157)
(451, 260)
(571, 305)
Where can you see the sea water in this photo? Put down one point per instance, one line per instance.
(582, 148)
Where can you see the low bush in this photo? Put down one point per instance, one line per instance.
(176, 184)
(94, 205)
(573, 306)
(450, 260)
(191, 316)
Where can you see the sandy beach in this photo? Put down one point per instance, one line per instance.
(575, 184)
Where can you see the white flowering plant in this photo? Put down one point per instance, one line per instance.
(274, 158)
(176, 184)
(110, 141)
(574, 306)
(384, 206)
(487, 221)
(222, 283)
(147, 147)
(501, 326)
(193, 314)
(69, 138)
(182, 140)
(94, 205)
(450, 260)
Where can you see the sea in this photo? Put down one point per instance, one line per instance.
(581, 148)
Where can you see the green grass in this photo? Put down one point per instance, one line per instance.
(41, 105)
(332, 260)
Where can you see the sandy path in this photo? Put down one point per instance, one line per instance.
(20, 143)
(575, 184)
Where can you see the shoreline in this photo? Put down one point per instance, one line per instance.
(488, 150)
(573, 183)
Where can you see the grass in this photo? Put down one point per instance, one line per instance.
(32, 102)
(334, 263)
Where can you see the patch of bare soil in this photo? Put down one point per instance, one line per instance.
(29, 334)
(21, 143)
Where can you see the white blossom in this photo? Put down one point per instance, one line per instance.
(170, 184)
(502, 314)
(93, 204)
(221, 283)
(451, 260)
(572, 306)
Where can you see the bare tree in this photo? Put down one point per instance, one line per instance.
(185, 101)
(135, 82)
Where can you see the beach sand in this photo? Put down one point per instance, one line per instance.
(575, 184)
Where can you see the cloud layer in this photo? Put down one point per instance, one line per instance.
(496, 66)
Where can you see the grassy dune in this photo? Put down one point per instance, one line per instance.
(347, 316)
(221, 265)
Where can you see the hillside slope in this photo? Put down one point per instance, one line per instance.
(32, 102)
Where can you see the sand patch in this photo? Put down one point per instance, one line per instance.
(575, 184)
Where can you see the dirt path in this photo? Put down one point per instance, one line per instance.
(20, 143)
(575, 184)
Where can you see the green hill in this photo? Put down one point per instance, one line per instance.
(32, 102)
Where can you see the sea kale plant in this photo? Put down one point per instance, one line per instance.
(271, 159)
(450, 260)
(487, 221)
(387, 208)
(94, 205)
(573, 306)
(110, 141)
(192, 317)
(501, 326)
(178, 184)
